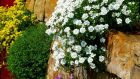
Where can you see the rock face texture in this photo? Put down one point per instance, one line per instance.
(123, 59)
(79, 73)
(124, 55)
(41, 8)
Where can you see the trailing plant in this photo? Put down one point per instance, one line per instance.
(80, 27)
(28, 55)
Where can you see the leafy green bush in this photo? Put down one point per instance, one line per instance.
(28, 55)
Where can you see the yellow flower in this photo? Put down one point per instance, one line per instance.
(10, 20)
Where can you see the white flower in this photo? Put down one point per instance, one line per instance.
(61, 55)
(67, 29)
(85, 16)
(55, 44)
(55, 69)
(91, 13)
(127, 20)
(92, 55)
(82, 60)
(71, 15)
(90, 28)
(92, 65)
(96, 6)
(104, 11)
(102, 40)
(104, 2)
(101, 19)
(73, 54)
(95, 15)
(119, 20)
(117, 14)
(87, 8)
(127, 12)
(116, 6)
(63, 62)
(101, 58)
(91, 47)
(77, 22)
(65, 21)
(76, 62)
(71, 63)
(77, 48)
(82, 30)
(48, 31)
(83, 43)
(90, 1)
(55, 54)
(90, 60)
(101, 27)
(71, 40)
(103, 48)
(76, 31)
(87, 50)
(69, 49)
(86, 22)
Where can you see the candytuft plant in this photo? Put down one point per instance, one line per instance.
(80, 27)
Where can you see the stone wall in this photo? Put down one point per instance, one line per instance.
(79, 73)
(124, 55)
(41, 8)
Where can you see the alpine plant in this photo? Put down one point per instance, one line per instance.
(80, 27)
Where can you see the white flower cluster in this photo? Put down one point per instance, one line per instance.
(76, 29)
(63, 11)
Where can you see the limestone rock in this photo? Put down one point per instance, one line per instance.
(49, 8)
(79, 72)
(30, 5)
(39, 9)
(123, 54)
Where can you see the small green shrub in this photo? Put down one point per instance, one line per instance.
(28, 55)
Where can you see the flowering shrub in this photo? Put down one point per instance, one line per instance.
(80, 27)
(12, 21)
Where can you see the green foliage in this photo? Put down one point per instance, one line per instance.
(28, 55)
(13, 21)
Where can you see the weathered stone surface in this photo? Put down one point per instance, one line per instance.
(30, 5)
(49, 8)
(136, 73)
(41, 8)
(123, 55)
(79, 72)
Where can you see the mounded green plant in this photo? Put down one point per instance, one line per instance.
(28, 55)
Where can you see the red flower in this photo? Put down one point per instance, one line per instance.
(7, 3)
(5, 73)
